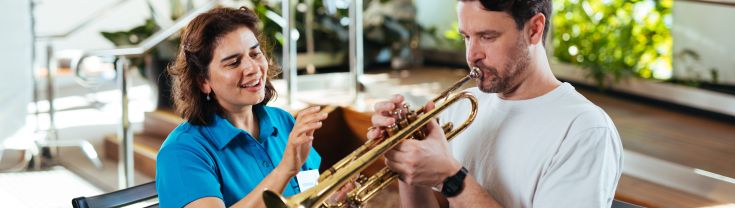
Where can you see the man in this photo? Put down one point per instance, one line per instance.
(536, 141)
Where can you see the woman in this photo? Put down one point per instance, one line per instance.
(232, 146)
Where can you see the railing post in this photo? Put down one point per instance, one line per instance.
(51, 88)
(51, 133)
(34, 64)
(356, 50)
(289, 51)
(125, 150)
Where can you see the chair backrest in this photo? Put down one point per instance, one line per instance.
(621, 204)
(118, 198)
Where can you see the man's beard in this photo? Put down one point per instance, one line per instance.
(508, 81)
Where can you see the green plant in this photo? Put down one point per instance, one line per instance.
(389, 26)
(613, 39)
(452, 38)
(133, 37)
(328, 32)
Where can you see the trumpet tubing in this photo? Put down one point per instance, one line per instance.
(408, 126)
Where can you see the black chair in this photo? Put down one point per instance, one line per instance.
(621, 204)
(119, 198)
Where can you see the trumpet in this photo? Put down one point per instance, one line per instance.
(408, 125)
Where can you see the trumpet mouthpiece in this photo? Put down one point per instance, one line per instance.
(475, 72)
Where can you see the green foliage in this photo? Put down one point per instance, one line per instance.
(453, 38)
(613, 39)
(133, 37)
(389, 25)
(268, 27)
(329, 34)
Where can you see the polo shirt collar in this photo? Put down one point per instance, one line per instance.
(224, 132)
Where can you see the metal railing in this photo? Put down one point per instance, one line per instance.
(51, 139)
(356, 50)
(288, 58)
(121, 55)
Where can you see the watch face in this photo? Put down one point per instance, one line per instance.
(454, 184)
(452, 187)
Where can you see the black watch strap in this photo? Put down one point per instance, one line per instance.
(454, 184)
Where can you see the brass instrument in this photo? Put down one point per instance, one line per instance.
(407, 126)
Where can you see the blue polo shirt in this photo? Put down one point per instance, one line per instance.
(220, 160)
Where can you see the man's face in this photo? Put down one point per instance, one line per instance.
(495, 45)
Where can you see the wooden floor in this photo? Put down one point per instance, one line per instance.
(679, 137)
(644, 193)
(682, 138)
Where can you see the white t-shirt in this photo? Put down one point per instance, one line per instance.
(556, 150)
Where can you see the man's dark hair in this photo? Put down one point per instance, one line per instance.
(520, 10)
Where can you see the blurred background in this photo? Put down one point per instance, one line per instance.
(86, 98)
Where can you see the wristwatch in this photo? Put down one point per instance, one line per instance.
(453, 185)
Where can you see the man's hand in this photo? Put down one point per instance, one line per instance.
(424, 162)
(383, 116)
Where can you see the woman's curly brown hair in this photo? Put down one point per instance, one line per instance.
(191, 68)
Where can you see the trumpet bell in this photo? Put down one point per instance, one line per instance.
(274, 200)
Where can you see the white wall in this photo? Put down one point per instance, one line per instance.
(56, 17)
(59, 16)
(708, 30)
(15, 65)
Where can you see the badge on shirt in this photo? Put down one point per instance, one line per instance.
(307, 179)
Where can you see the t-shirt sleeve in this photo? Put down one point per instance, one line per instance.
(584, 172)
(184, 175)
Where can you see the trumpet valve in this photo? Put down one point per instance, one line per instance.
(447, 127)
(392, 130)
(361, 179)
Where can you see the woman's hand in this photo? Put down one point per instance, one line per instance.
(300, 139)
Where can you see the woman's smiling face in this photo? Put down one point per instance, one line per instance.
(238, 70)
